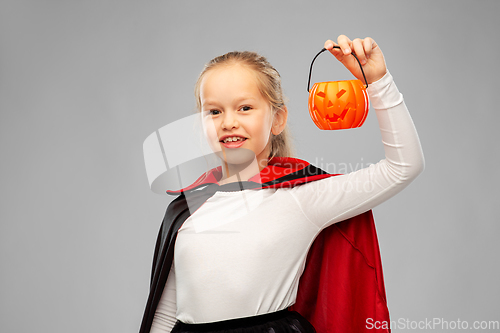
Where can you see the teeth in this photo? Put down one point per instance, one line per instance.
(232, 139)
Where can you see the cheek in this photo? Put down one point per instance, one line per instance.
(265, 135)
(210, 134)
(265, 126)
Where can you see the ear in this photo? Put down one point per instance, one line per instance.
(279, 121)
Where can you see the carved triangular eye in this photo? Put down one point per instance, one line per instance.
(341, 93)
(321, 94)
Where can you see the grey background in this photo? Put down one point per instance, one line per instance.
(82, 84)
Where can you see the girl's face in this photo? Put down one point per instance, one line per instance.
(236, 117)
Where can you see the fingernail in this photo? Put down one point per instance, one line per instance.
(363, 62)
(347, 51)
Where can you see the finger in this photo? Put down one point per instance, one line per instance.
(357, 45)
(329, 44)
(368, 45)
(345, 44)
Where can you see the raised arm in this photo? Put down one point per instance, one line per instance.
(338, 198)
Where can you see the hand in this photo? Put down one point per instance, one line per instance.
(369, 54)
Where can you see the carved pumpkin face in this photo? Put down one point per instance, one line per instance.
(338, 104)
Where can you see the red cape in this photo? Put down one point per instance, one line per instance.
(342, 287)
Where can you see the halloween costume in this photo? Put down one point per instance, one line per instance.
(248, 259)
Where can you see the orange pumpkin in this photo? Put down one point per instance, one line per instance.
(337, 105)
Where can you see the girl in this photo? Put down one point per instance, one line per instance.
(241, 232)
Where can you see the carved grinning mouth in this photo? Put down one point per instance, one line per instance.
(335, 118)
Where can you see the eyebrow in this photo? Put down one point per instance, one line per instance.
(236, 101)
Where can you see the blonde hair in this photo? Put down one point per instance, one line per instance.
(269, 82)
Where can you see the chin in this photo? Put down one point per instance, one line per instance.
(236, 156)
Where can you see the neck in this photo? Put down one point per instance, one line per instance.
(241, 172)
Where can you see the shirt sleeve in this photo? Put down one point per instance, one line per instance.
(337, 198)
(164, 318)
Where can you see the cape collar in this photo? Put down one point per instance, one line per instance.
(280, 172)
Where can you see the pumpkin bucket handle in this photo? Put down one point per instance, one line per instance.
(323, 50)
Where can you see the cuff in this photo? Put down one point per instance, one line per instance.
(383, 93)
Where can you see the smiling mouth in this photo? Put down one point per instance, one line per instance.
(233, 144)
(233, 139)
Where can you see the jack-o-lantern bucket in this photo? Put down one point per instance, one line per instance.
(338, 105)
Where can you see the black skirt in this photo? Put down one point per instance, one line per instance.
(283, 321)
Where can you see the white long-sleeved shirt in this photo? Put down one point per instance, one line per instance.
(242, 253)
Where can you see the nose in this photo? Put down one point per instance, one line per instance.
(229, 120)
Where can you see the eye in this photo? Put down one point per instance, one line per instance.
(245, 108)
(213, 112)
